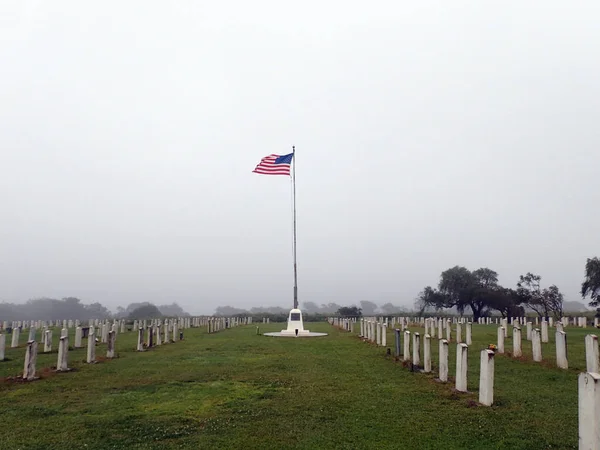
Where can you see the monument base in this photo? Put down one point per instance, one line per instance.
(295, 327)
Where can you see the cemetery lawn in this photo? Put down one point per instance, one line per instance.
(235, 389)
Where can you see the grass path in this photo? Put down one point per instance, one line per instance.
(235, 389)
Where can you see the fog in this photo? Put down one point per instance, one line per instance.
(428, 134)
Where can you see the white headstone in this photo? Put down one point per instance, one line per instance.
(561, 350)
(443, 355)
(110, 349)
(140, 342)
(158, 337)
(486, 377)
(500, 339)
(517, 351)
(529, 328)
(469, 340)
(384, 335)
(591, 353)
(589, 410)
(458, 332)
(416, 349)
(461, 367)
(406, 355)
(544, 331)
(30, 360)
(15, 337)
(48, 342)
(91, 346)
(78, 337)
(63, 354)
(427, 352)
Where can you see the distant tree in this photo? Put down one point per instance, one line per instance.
(172, 310)
(544, 302)
(349, 311)
(53, 309)
(133, 306)
(148, 311)
(227, 311)
(97, 311)
(389, 309)
(329, 308)
(431, 298)
(310, 307)
(461, 289)
(591, 284)
(368, 308)
(506, 302)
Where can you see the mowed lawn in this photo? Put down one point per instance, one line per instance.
(235, 389)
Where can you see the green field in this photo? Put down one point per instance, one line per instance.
(235, 389)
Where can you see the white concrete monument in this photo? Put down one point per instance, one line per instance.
(295, 327)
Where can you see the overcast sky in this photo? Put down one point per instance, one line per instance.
(428, 135)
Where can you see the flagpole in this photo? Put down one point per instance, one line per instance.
(294, 247)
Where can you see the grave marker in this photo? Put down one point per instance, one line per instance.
(443, 355)
(461, 367)
(427, 353)
(30, 360)
(589, 411)
(486, 377)
(561, 350)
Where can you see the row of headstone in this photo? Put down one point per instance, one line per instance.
(214, 324)
(376, 332)
(159, 333)
(118, 326)
(343, 323)
(31, 352)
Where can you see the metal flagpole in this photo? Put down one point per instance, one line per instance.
(294, 250)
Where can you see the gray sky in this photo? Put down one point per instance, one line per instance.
(428, 134)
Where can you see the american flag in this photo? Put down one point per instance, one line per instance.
(275, 165)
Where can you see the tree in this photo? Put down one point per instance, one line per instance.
(430, 298)
(506, 302)
(310, 307)
(591, 285)
(368, 308)
(97, 311)
(228, 311)
(172, 310)
(388, 309)
(121, 313)
(544, 302)
(148, 311)
(461, 289)
(349, 311)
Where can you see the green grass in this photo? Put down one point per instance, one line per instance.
(234, 389)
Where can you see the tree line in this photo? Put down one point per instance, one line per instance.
(73, 308)
(479, 292)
